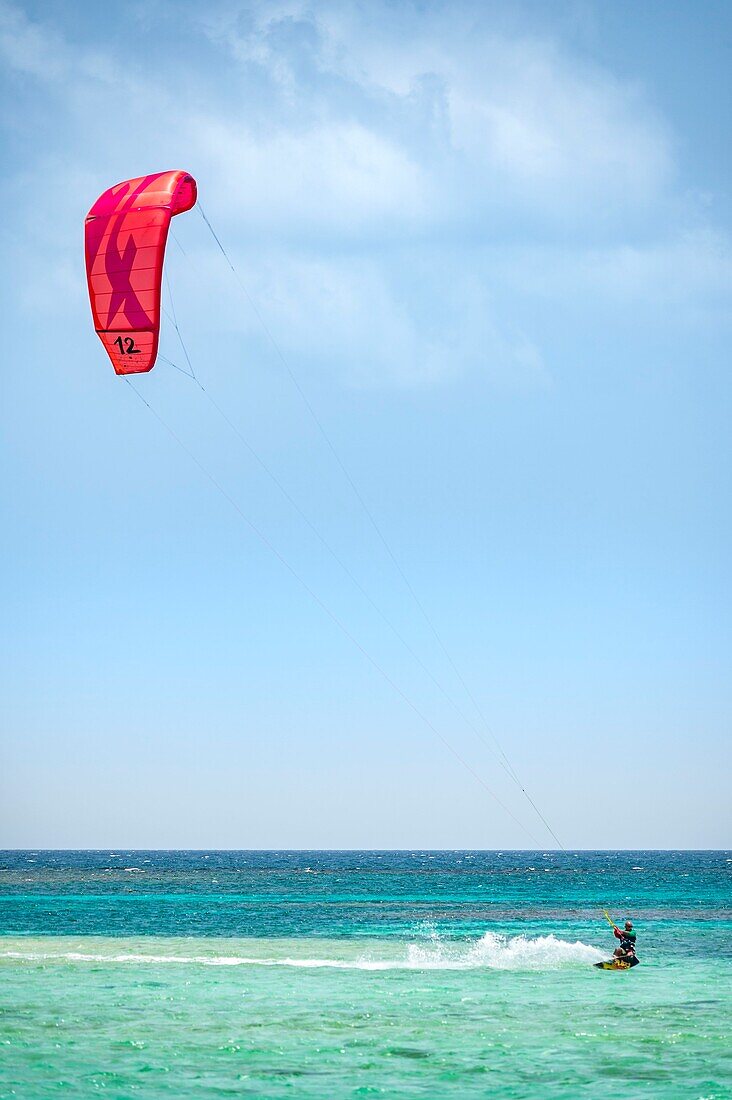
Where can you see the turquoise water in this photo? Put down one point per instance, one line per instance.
(400, 974)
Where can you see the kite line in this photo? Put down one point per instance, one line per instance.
(502, 757)
(325, 608)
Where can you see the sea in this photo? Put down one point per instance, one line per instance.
(442, 974)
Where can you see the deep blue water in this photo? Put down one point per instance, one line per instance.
(282, 894)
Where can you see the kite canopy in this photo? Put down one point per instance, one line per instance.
(125, 234)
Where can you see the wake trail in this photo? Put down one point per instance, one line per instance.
(491, 952)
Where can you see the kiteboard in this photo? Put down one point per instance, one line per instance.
(617, 964)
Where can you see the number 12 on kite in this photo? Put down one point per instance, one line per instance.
(127, 346)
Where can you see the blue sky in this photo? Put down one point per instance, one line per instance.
(492, 243)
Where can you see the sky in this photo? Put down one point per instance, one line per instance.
(478, 333)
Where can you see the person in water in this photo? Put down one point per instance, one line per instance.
(626, 948)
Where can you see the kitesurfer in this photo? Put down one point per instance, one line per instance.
(626, 947)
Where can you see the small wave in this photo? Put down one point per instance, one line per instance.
(490, 952)
(496, 952)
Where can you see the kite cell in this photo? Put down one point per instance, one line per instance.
(126, 230)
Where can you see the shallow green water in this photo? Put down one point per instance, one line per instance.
(413, 1007)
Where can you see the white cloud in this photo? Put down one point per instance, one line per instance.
(339, 178)
(496, 121)
(676, 274)
(363, 167)
(29, 47)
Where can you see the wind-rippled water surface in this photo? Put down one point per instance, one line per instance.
(336, 974)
